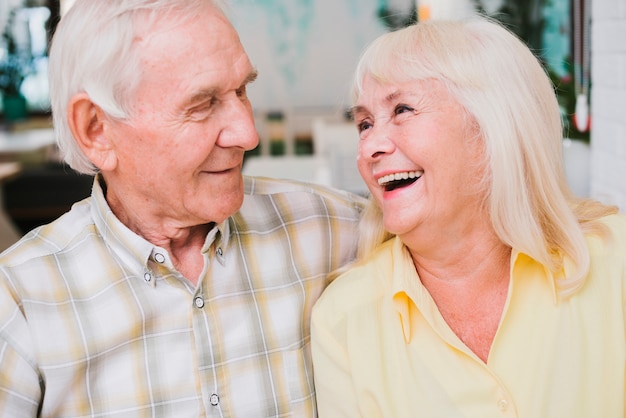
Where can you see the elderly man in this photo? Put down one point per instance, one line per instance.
(179, 288)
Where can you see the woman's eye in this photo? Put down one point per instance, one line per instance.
(361, 126)
(402, 109)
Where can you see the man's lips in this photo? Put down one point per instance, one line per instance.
(223, 170)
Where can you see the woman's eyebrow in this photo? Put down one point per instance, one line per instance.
(362, 109)
(356, 109)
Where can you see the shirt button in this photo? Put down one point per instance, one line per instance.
(199, 302)
(214, 399)
(160, 258)
(147, 277)
(220, 252)
(503, 405)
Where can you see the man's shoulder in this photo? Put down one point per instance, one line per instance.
(56, 237)
(263, 186)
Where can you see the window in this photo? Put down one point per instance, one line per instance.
(26, 27)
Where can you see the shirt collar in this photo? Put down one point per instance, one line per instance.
(217, 240)
(406, 286)
(521, 263)
(133, 250)
(409, 294)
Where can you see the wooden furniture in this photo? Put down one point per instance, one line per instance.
(19, 150)
(42, 193)
(9, 234)
(31, 145)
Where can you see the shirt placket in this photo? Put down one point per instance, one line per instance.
(207, 341)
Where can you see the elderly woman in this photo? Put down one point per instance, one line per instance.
(485, 288)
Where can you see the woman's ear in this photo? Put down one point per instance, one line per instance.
(89, 125)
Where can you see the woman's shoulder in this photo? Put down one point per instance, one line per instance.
(362, 287)
(613, 230)
(616, 221)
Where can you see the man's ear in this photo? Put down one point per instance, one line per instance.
(90, 127)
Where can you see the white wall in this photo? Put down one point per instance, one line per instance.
(608, 102)
(305, 50)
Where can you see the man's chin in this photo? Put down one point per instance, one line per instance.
(225, 205)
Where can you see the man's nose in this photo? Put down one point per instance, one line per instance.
(239, 128)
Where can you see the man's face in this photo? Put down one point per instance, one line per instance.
(179, 156)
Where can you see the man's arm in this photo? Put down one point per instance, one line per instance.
(20, 386)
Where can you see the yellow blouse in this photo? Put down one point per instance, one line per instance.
(382, 349)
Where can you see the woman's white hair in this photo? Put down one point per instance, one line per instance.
(93, 51)
(506, 90)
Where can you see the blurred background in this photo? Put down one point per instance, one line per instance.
(305, 51)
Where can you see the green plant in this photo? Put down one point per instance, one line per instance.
(527, 19)
(566, 95)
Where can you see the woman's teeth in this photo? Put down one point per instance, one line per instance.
(405, 175)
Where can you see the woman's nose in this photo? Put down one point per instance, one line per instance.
(376, 143)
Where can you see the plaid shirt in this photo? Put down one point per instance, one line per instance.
(95, 321)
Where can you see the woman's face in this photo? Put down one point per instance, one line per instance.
(421, 158)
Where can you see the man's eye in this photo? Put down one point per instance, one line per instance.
(202, 110)
(208, 105)
(242, 92)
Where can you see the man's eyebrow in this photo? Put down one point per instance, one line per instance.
(251, 77)
(201, 96)
(207, 94)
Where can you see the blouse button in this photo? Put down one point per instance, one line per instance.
(503, 405)
(160, 258)
(147, 277)
(199, 302)
(220, 252)
(214, 399)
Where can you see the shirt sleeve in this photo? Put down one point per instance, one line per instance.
(20, 388)
(335, 392)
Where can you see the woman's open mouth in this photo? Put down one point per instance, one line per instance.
(401, 179)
